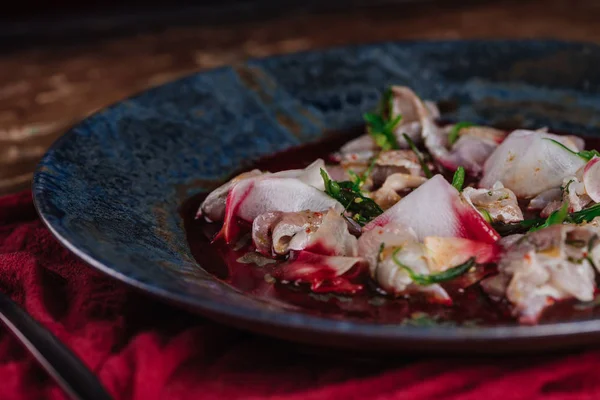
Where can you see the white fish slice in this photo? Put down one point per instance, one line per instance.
(529, 163)
(436, 208)
(253, 197)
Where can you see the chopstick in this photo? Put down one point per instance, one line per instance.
(66, 369)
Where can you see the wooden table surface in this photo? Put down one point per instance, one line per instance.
(45, 90)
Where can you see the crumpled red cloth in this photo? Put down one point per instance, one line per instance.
(143, 349)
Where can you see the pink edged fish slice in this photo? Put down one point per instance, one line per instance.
(436, 208)
(324, 273)
(445, 252)
(253, 197)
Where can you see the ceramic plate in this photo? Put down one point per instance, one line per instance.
(110, 188)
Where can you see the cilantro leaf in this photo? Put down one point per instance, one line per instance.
(419, 155)
(439, 277)
(458, 180)
(455, 131)
(363, 208)
(382, 131)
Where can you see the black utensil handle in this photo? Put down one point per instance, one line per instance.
(70, 373)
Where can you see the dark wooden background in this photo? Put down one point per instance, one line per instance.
(61, 62)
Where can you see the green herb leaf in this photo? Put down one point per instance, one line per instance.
(382, 131)
(374, 121)
(455, 131)
(458, 180)
(355, 179)
(579, 217)
(425, 280)
(381, 125)
(557, 217)
(587, 155)
(359, 180)
(566, 188)
(361, 207)
(419, 155)
(486, 215)
(586, 215)
(386, 104)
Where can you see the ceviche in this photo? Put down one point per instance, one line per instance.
(418, 212)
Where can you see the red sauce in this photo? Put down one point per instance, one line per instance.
(470, 305)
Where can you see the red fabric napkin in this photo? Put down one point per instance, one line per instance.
(143, 349)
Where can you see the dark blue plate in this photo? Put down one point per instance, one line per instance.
(110, 188)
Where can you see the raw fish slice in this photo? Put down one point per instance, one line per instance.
(395, 280)
(213, 206)
(278, 233)
(483, 132)
(310, 175)
(253, 197)
(436, 208)
(545, 266)
(363, 143)
(395, 162)
(545, 198)
(262, 231)
(575, 194)
(470, 153)
(387, 195)
(275, 233)
(499, 202)
(528, 163)
(323, 273)
(377, 247)
(390, 235)
(331, 238)
(444, 252)
(404, 104)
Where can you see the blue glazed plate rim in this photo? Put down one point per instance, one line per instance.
(304, 322)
